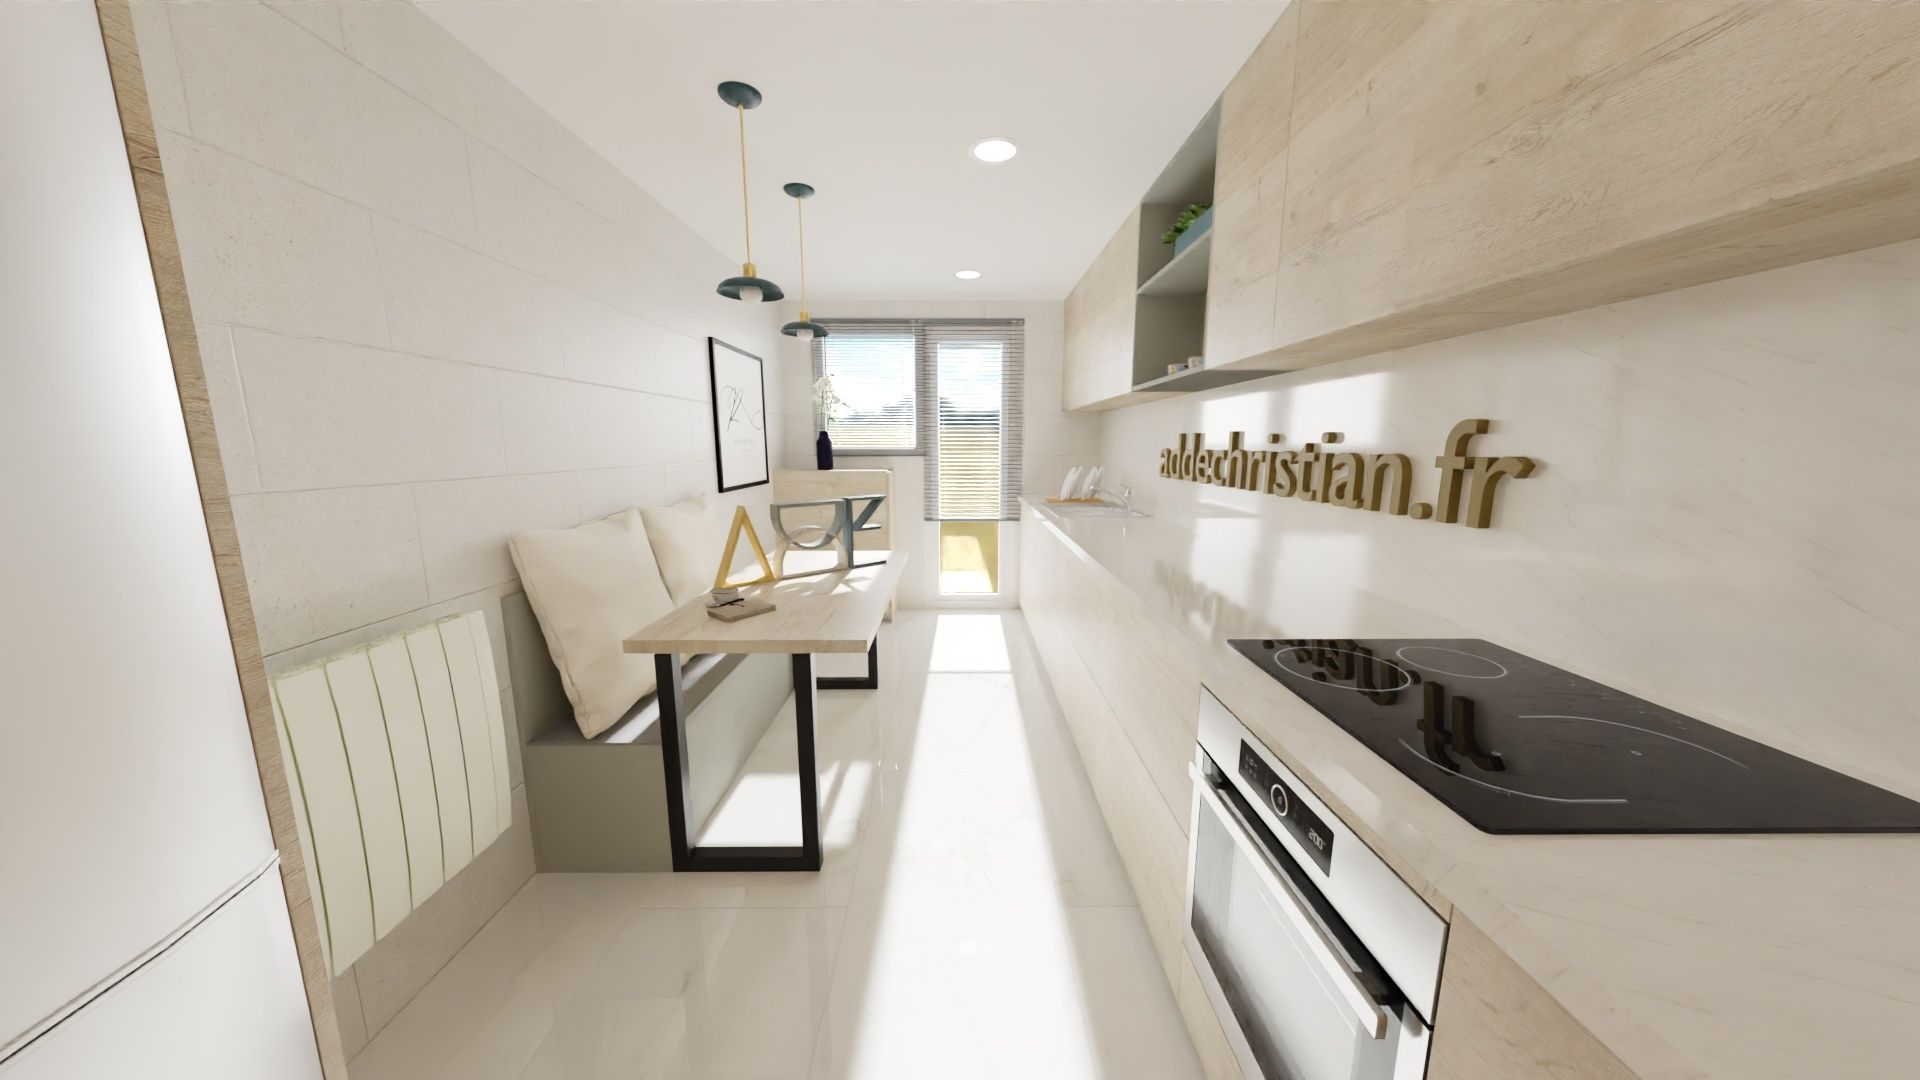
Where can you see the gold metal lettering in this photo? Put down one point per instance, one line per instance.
(1487, 474)
(1377, 482)
(1453, 464)
(1398, 468)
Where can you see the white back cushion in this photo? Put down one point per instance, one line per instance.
(688, 538)
(592, 586)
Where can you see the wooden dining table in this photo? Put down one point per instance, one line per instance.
(835, 611)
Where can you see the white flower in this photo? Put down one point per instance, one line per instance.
(825, 400)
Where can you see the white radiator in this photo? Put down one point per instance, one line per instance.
(397, 762)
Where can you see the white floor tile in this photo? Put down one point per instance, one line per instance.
(716, 992)
(972, 919)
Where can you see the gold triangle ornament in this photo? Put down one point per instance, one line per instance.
(742, 522)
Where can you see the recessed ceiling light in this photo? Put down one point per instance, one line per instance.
(994, 150)
(966, 275)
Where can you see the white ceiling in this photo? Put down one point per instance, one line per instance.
(875, 104)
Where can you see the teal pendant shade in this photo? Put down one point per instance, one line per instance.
(802, 192)
(739, 95)
(769, 292)
(742, 97)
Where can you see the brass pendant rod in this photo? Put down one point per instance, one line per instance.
(746, 215)
(799, 209)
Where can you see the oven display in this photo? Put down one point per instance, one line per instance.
(1300, 820)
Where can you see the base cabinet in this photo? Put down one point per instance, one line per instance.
(1494, 1022)
(1128, 690)
(1128, 686)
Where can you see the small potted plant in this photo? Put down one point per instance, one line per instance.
(1191, 225)
(826, 403)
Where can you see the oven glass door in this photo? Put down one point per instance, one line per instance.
(1302, 1012)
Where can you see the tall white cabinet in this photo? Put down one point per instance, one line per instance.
(142, 927)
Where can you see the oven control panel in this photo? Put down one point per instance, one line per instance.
(1295, 814)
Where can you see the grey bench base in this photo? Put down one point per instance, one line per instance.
(600, 805)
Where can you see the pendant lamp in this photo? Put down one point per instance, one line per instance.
(749, 286)
(806, 329)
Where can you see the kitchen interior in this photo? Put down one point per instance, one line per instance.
(1280, 539)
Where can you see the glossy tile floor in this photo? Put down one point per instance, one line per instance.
(972, 920)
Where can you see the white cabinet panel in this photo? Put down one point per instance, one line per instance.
(333, 818)
(496, 722)
(297, 797)
(225, 1002)
(412, 763)
(129, 799)
(470, 705)
(363, 727)
(443, 745)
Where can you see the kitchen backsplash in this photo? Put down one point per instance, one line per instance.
(1723, 515)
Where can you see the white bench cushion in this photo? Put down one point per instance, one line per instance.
(688, 538)
(592, 586)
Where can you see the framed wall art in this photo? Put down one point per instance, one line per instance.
(739, 415)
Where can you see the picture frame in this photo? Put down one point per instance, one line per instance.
(737, 379)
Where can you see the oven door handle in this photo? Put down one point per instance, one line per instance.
(1371, 1018)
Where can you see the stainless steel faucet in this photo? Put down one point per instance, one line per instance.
(1124, 493)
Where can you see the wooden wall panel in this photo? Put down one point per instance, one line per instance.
(1098, 363)
(1453, 167)
(176, 312)
(1249, 197)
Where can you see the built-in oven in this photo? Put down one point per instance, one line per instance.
(1320, 962)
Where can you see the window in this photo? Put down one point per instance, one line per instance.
(874, 374)
(952, 391)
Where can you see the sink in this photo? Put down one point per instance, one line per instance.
(1104, 510)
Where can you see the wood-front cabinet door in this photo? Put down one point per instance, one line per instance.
(1249, 198)
(1099, 323)
(1495, 1023)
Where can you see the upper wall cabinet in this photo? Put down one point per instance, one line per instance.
(1136, 325)
(1098, 363)
(1249, 190)
(1389, 174)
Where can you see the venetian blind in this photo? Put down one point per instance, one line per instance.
(966, 404)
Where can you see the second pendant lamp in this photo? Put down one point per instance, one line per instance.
(749, 286)
(805, 329)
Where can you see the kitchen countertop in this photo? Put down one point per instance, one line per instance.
(1736, 957)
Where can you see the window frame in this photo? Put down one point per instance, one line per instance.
(877, 328)
(928, 333)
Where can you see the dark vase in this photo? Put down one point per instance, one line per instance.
(823, 451)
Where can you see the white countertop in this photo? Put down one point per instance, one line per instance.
(1741, 957)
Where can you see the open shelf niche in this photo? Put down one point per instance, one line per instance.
(1170, 312)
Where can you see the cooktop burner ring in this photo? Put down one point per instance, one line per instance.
(1637, 727)
(1609, 800)
(1402, 652)
(1408, 677)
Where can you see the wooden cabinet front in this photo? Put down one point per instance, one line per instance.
(1098, 366)
(1249, 198)
(1495, 1023)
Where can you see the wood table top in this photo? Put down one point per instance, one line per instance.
(834, 612)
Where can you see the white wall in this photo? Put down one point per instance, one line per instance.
(1725, 517)
(430, 317)
(1055, 439)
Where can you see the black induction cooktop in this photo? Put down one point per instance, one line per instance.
(1515, 745)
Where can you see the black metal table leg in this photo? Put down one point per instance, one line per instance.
(673, 747)
(869, 681)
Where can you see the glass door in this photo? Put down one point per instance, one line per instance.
(971, 433)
